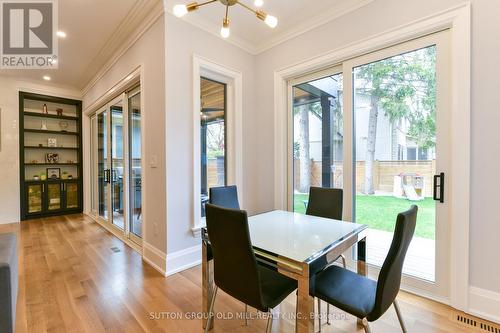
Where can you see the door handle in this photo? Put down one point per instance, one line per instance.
(439, 187)
(107, 176)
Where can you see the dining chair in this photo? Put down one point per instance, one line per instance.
(327, 203)
(227, 197)
(236, 271)
(224, 196)
(364, 298)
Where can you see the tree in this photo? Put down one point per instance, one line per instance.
(304, 156)
(404, 87)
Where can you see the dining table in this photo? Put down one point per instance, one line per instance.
(297, 246)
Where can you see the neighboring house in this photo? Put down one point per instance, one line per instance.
(392, 143)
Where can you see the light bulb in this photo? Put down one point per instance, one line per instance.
(180, 10)
(258, 3)
(271, 21)
(224, 31)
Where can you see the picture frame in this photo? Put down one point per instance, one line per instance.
(52, 158)
(53, 173)
(51, 142)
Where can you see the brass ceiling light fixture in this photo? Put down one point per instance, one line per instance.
(271, 21)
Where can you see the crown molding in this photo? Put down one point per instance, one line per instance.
(326, 16)
(140, 18)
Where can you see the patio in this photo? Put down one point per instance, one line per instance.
(420, 259)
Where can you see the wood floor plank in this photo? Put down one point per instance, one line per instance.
(71, 281)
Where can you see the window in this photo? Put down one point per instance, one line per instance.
(212, 137)
(411, 153)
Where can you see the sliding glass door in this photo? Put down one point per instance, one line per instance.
(117, 173)
(377, 126)
(116, 151)
(135, 162)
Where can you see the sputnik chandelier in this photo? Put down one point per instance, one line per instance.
(271, 21)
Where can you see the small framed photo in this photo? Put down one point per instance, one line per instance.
(52, 142)
(52, 158)
(53, 173)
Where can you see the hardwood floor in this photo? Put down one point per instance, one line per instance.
(72, 281)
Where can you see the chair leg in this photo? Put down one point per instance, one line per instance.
(246, 315)
(342, 257)
(319, 315)
(366, 326)
(269, 327)
(211, 310)
(328, 314)
(400, 317)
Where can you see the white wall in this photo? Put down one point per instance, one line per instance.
(147, 52)
(182, 41)
(9, 139)
(377, 17)
(485, 147)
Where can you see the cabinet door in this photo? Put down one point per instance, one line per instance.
(34, 200)
(71, 193)
(54, 191)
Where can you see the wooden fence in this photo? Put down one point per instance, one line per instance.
(383, 174)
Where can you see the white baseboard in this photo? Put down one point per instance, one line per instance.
(154, 257)
(184, 259)
(484, 304)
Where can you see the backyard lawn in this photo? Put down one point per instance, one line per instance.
(379, 212)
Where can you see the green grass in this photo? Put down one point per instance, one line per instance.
(379, 212)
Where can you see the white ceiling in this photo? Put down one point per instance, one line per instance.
(89, 25)
(295, 17)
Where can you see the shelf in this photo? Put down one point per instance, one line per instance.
(53, 116)
(50, 132)
(33, 144)
(32, 181)
(56, 164)
(52, 148)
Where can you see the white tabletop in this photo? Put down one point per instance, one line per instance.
(297, 236)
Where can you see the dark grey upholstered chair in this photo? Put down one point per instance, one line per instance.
(225, 196)
(235, 267)
(327, 203)
(364, 298)
(8, 282)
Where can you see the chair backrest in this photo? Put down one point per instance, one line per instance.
(235, 266)
(389, 279)
(325, 202)
(225, 196)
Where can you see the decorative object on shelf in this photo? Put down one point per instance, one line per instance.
(52, 158)
(52, 142)
(64, 175)
(70, 161)
(36, 177)
(63, 124)
(34, 161)
(53, 173)
(45, 109)
(40, 145)
(43, 127)
(70, 176)
(59, 111)
(271, 21)
(43, 176)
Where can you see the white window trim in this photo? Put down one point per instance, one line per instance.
(458, 20)
(234, 112)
